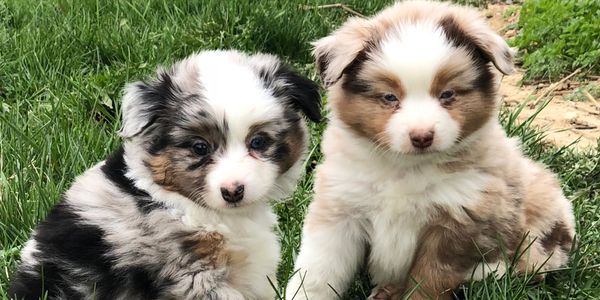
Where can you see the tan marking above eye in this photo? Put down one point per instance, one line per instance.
(457, 73)
(266, 128)
(382, 80)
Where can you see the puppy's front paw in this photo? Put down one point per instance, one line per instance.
(208, 246)
(386, 292)
(224, 293)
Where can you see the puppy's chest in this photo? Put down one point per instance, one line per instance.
(254, 255)
(255, 247)
(401, 206)
(251, 247)
(417, 193)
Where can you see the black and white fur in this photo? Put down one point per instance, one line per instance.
(152, 221)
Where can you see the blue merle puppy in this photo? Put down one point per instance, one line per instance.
(181, 210)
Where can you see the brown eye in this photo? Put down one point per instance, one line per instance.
(201, 148)
(390, 98)
(447, 96)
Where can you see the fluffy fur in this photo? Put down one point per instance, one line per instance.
(417, 168)
(181, 210)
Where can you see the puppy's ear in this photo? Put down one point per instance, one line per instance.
(335, 52)
(469, 27)
(497, 49)
(298, 91)
(144, 103)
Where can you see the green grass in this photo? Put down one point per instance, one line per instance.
(558, 37)
(63, 65)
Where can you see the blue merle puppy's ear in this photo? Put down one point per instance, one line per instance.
(144, 103)
(298, 91)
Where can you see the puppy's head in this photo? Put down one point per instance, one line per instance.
(222, 128)
(417, 78)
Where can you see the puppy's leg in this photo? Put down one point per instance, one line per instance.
(223, 293)
(550, 222)
(332, 248)
(207, 272)
(197, 262)
(431, 279)
(387, 292)
(437, 269)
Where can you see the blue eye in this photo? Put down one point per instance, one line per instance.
(390, 97)
(201, 148)
(447, 94)
(258, 143)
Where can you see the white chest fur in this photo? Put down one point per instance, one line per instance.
(393, 239)
(249, 237)
(396, 203)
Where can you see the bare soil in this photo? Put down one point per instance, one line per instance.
(566, 122)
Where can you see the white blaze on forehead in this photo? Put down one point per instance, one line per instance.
(235, 92)
(414, 52)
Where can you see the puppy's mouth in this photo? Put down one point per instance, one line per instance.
(418, 152)
(236, 205)
(418, 155)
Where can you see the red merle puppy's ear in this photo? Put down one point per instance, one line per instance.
(334, 53)
(467, 29)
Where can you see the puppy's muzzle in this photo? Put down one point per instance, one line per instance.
(421, 139)
(233, 193)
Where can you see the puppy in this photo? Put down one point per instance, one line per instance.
(181, 210)
(416, 165)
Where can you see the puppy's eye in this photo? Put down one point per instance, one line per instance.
(447, 96)
(258, 143)
(390, 98)
(201, 148)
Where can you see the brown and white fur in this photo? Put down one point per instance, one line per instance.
(416, 165)
(181, 210)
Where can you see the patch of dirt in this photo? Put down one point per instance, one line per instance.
(566, 122)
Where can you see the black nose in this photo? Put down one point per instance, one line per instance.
(421, 139)
(233, 194)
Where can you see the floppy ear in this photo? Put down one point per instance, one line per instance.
(496, 48)
(469, 27)
(144, 102)
(335, 52)
(298, 91)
